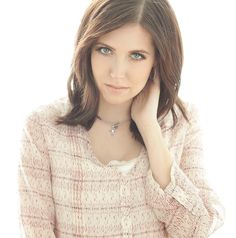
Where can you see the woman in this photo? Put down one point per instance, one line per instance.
(122, 156)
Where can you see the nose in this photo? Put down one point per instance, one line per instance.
(118, 68)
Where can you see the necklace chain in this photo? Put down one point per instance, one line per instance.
(114, 126)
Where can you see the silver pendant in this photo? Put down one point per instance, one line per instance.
(113, 128)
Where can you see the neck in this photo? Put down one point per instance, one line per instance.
(114, 112)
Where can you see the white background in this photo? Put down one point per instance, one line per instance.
(36, 45)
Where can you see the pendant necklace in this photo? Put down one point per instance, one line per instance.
(114, 126)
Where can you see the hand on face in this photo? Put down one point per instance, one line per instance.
(145, 104)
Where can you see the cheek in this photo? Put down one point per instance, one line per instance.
(141, 75)
(94, 63)
(140, 78)
(96, 69)
(138, 86)
(99, 65)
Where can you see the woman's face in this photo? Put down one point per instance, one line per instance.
(122, 58)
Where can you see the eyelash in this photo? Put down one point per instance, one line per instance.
(100, 48)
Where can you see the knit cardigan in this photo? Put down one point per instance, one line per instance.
(65, 191)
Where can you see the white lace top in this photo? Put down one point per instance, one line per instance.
(124, 166)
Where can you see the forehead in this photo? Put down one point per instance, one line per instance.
(129, 36)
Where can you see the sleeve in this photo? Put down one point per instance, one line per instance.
(36, 205)
(187, 206)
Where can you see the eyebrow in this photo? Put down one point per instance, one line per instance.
(141, 51)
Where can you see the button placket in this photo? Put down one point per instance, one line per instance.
(127, 227)
(125, 207)
(124, 191)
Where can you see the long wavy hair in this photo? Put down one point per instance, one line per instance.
(103, 16)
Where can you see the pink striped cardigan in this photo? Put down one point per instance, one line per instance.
(66, 192)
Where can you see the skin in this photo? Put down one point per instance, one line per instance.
(118, 64)
(122, 68)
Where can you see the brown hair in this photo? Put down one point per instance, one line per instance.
(103, 16)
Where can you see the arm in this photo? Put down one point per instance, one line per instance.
(179, 194)
(36, 202)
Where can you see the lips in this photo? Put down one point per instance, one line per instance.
(116, 87)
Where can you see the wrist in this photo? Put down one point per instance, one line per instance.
(149, 130)
(145, 125)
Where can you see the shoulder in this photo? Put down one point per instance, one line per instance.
(47, 114)
(192, 113)
(192, 110)
(42, 122)
(40, 128)
(184, 131)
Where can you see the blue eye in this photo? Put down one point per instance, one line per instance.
(104, 50)
(138, 56)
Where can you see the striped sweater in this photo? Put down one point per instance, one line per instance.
(66, 192)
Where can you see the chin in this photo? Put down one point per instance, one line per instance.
(116, 100)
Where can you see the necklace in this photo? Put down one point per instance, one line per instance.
(114, 126)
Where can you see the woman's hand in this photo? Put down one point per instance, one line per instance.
(145, 104)
(144, 113)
